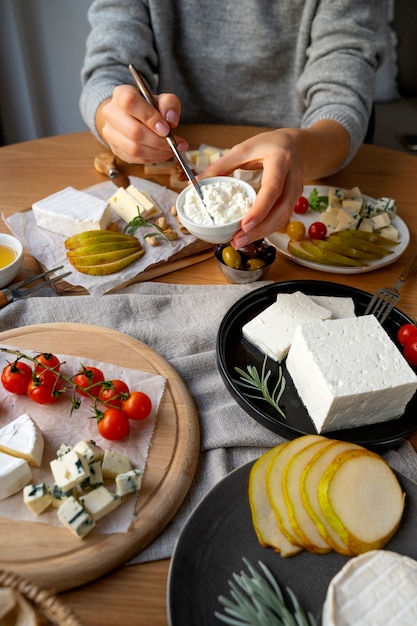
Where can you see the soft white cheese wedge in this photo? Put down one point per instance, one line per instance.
(23, 438)
(273, 329)
(349, 373)
(69, 212)
(14, 475)
(378, 588)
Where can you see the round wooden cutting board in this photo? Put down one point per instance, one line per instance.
(51, 556)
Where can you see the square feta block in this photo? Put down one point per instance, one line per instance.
(349, 373)
(273, 329)
(339, 306)
(69, 212)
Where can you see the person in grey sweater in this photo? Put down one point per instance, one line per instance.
(303, 68)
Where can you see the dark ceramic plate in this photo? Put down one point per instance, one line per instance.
(219, 533)
(235, 351)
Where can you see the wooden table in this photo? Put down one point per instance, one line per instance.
(135, 595)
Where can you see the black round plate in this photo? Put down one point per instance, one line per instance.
(235, 351)
(220, 532)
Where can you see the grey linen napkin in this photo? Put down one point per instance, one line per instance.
(181, 322)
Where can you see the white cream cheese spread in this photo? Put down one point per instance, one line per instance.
(225, 201)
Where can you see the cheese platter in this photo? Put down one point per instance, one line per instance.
(234, 351)
(50, 555)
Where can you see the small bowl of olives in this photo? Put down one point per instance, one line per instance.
(247, 264)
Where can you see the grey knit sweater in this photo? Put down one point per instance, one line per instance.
(275, 63)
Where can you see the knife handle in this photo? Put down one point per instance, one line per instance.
(105, 163)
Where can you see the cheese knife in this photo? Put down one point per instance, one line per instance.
(105, 163)
(140, 84)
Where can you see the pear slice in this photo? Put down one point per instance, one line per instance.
(274, 485)
(263, 518)
(362, 499)
(295, 248)
(329, 256)
(309, 481)
(301, 522)
(361, 244)
(342, 246)
(365, 236)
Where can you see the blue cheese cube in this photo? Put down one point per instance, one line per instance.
(381, 220)
(37, 497)
(336, 195)
(114, 463)
(95, 478)
(69, 470)
(89, 450)
(347, 220)
(59, 495)
(390, 232)
(369, 209)
(386, 205)
(72, 515)
(100, 502)
(129, 482)
(365, 224)
(63, 449)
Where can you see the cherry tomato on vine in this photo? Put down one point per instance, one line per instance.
(296, 230)
(113, 392)
(410, 351)
(137, 406)
(114, 424)
(16, 377)
(42, 393)
(317, 230)
(45, 375)
(87, 377)
(301, 206)
(406, 332)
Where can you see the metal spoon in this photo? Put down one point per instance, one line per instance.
(169, 138)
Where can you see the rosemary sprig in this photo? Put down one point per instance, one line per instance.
(257, 600)
(139, 221)
(259, 382)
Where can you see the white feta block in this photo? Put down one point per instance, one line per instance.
(69, 212)
(14, 475)
(340, 307)
(74, 517)
(37, 497)
(69, 470)
(114, 463)
(100, 502)
(356, 374)
(273, 329)
(23, 438)
(129, 482)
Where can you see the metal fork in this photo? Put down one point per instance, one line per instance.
(21, 290)
(386, 298)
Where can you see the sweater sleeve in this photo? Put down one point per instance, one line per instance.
(338, 77)
(126, 24)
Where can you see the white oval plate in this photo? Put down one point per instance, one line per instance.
(280, 241)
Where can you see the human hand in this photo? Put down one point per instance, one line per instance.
(277, 154)
(134, 130)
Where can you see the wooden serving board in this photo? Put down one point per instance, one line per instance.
(51, 556)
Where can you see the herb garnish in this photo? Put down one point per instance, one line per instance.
(259, 601)
(259, 382)
(317, 202)
(139, 221)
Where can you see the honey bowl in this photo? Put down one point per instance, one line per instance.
(11, 258)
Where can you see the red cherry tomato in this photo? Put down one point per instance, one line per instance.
(89, 379)
(317, 230)
(114, 424)
(16, 377)
(43, 394)
(406, 332)
(45, 375)
(301, 206)
(410, 351)
(113, 392)
(137, 406)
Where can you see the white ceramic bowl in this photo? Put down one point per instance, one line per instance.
(8, 272)
(212, 233)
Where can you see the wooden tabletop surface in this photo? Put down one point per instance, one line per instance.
(135, 595)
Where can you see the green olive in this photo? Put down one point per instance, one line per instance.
(255, 264)
(231, 257)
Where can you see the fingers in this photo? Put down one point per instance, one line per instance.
(136, 131)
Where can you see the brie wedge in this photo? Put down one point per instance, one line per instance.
(22, 438)
(14, 475)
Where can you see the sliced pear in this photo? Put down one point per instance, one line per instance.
(263, 517)
(329, 256)
(100, 248)
(295, 248)
(362, 499)
(104, 269)
(301, 522)
(365, 236)
(95, 236)
(341, 246)
(274, 484)
(309, 482)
